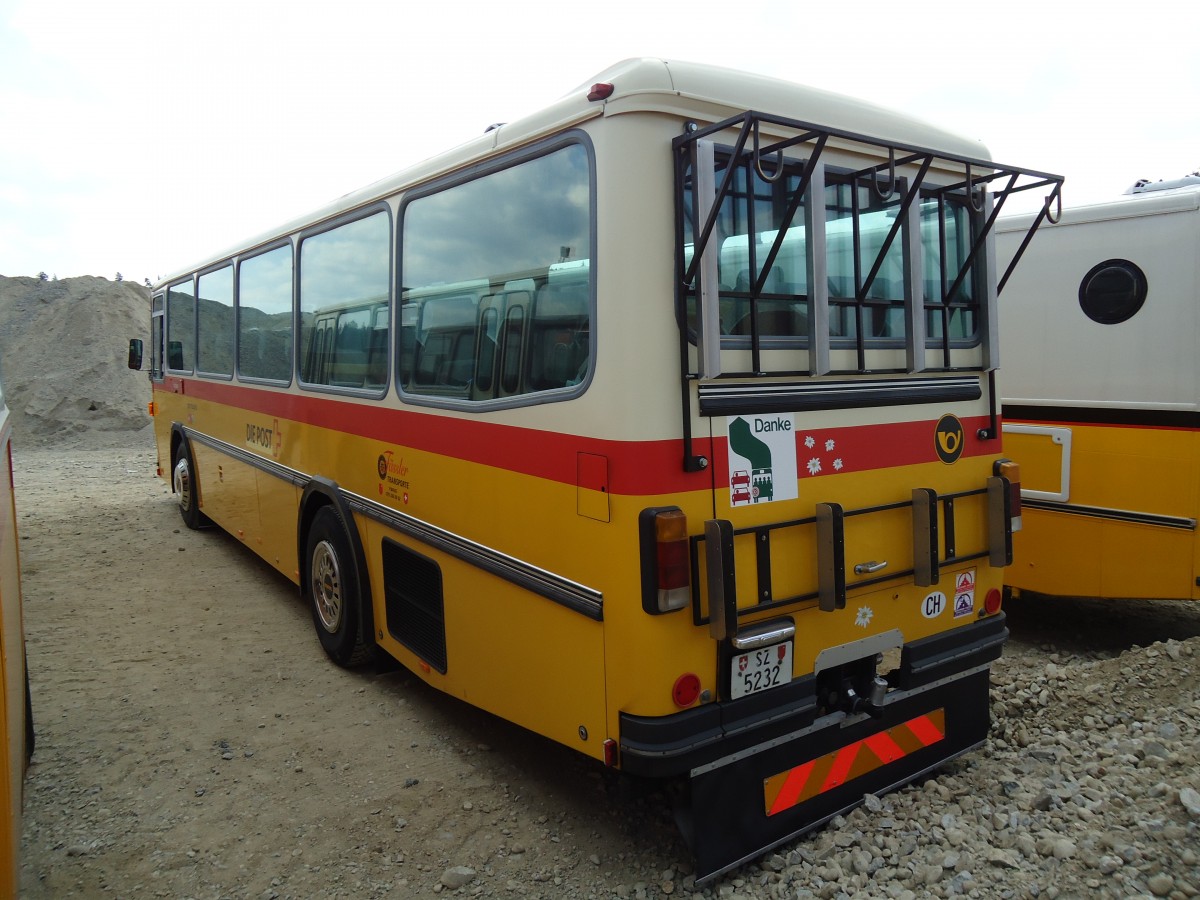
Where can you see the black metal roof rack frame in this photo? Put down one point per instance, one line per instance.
(696, 150)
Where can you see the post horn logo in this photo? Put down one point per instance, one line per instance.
(948, 438)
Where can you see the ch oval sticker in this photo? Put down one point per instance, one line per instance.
(948, 438)
(933, 604)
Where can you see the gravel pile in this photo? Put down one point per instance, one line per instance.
(63, 352)
(1088, 787)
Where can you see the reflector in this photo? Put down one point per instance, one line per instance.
(991, 602)
(686, 690)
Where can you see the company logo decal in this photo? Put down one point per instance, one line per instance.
(948, 438)
(260, 437)
(393, 477)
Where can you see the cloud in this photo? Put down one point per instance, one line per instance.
(154, 133)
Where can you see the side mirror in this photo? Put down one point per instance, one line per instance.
(135, 354)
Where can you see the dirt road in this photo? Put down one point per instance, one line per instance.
(193, 740)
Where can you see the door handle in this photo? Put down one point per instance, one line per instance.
(870, 568)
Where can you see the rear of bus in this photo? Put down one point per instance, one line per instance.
(821, 595)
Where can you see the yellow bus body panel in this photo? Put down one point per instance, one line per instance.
(1140, 471)
(557, 672)
(12, 676)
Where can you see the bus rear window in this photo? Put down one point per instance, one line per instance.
(866, 261)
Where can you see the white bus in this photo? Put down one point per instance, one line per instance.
(1101, 390)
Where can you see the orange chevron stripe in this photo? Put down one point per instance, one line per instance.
(794, 782)
(798, 784)
(929, 729)
(842, 761)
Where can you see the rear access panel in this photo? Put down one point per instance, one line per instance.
(749, 802)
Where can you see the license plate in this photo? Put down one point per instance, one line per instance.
(760, 670)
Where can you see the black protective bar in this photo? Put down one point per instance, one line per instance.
(771, 164)
(749, 123)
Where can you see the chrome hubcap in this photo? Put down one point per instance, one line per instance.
(182, 479)
(327, 586)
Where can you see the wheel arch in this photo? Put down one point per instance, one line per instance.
(319, 493)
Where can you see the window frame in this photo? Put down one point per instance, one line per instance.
(509, 160)
(169, 369)
(840, 178)
(249, 256)
(201, 273)
(298, 351)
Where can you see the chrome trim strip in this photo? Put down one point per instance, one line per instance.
(1118, 515)
(575, 596)
(764, 634)
(580, 598)
(242, 455)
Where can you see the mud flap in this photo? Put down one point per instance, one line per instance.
(747, 803)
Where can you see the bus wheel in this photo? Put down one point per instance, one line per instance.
(183, 478)
(333, 593)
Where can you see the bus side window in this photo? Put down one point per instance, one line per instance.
(377, 348)
(485, 355)
(445, 343)
(514, 344)
(349, 359)
(559, 337)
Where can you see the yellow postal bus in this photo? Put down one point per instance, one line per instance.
(1102, 396)
(660, 422)
(15, 716)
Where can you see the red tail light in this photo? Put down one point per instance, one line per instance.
(674, 569)
(666, 559)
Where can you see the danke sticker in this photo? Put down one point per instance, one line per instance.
(762, 459)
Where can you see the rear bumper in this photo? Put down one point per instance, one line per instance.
(677, 744)
(761, 774)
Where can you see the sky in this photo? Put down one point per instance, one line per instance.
(137, 136)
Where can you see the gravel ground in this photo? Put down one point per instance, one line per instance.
(194, 742)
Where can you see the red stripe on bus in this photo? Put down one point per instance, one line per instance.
(636, 467)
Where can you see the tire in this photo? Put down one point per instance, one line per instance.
(332, 590)
(187, 487)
